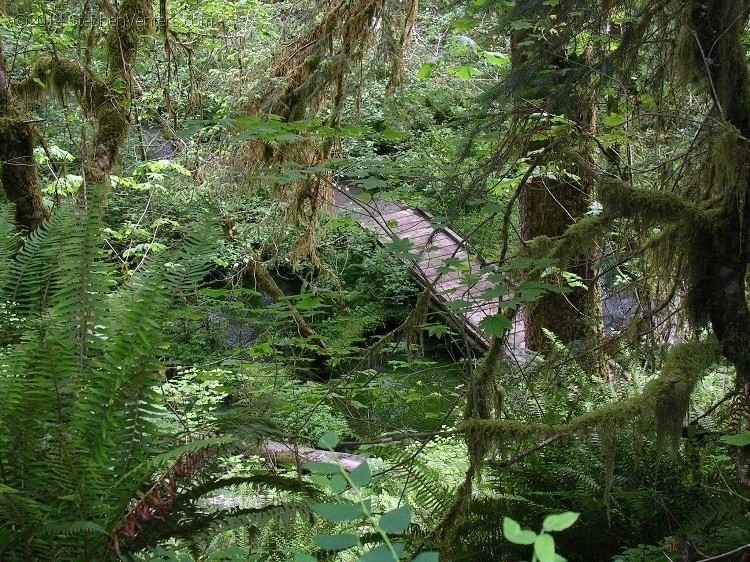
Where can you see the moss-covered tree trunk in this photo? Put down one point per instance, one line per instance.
(551, 202)
(18, 174)
(719, 59)
(106, 100)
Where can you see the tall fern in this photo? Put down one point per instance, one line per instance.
(78, 419)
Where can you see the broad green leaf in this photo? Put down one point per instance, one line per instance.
(613, 120)
(496, 59)
(330, 439)
(738, 440)
(463, 24)
(301, 557)
(320, 480)
(464, 72)
(394, 134)
(560, 521)
(427, 557)
(338, 512)
(396, 520)
(513, 532)
(361, 475)
(322, 467)
(426, 70)
(495, 326)
(544, 548)
(336, 542)
(337, 483)
(520, 25)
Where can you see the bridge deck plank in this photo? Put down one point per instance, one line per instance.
(431, 248)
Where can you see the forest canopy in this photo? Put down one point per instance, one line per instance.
(374, 280)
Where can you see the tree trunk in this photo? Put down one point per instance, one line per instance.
(549, 205)
(719, 59)
(18, 174)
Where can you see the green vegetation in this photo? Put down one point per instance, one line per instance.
(374, 280)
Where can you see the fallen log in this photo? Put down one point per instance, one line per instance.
(275, 451)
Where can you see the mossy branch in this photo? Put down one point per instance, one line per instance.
(265, 282)
(665, 400)
(654, 207)
(60, 77)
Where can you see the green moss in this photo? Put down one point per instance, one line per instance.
(683, 367)
(652, 206)
(539, 247)
(113, 127)
(580, 237)
(135, 18)
(18, 175)
(664, 399)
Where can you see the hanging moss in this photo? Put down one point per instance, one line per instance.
(135, 18)
(61, 77)
(485, 383)
(412, 326)
(608, 442)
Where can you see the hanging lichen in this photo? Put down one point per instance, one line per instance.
(410, 329)
(310, 78)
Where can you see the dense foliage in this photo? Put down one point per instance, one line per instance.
(209, 352)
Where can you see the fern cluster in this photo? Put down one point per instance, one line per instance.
(79, 368)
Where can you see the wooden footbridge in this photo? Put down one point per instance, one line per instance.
(442, 262)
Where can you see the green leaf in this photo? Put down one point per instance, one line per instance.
(400, 247)
(426, 70)
(361, 475)
(301, 557)
(337, 483)
(322, 467)
(394, 134)
(464, 72)
(738, 440)
(330, 439)
(338, 512)
(496, 59)
(513, 532)
(544, 548)
(427, 557)
(336, 542)
(560, 521)
(396, 520)
(520, 25)
(495, 326)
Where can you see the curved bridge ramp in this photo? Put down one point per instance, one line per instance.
(458, 281)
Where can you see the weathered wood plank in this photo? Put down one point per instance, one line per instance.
(433, 248)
